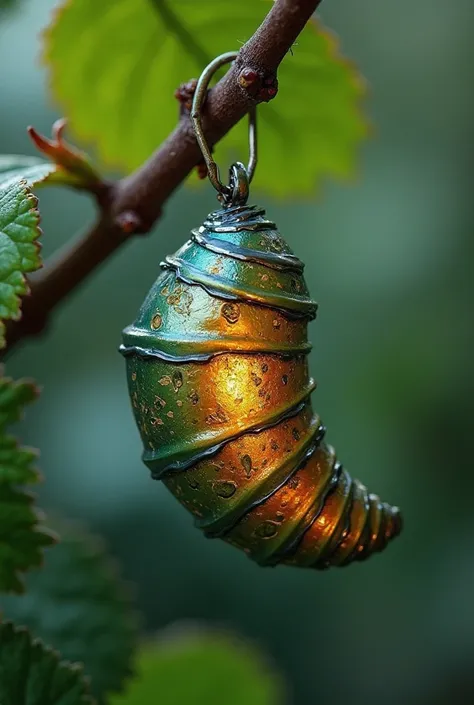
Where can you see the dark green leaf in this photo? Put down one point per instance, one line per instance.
(32, 674)
(21, 536)
(13, 397)
(19, 250)
(77, 603)
(116, 64)
(202, 668)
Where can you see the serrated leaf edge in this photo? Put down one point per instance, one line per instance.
(34, 210)
(13, 630)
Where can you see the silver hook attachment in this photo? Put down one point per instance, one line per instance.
(236, 192)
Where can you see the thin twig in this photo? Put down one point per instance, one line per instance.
(135, 203)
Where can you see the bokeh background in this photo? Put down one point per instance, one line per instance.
(390, 258)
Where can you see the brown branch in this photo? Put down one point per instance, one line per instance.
(134, 204)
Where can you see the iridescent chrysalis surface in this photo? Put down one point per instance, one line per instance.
(220, 388)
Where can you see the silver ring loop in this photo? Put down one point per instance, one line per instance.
(226, 192)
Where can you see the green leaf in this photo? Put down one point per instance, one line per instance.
(115, 65)
(16, 464)
(32, 674)
(22, 538)
(202, 668)
(19, 250)
(77, 603)
(15, 168)
(13, 397)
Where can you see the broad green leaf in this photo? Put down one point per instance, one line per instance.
(19, 250)
(15, 168)
(203, 668)
(115, 65)
(22, 537)
(68, 167)
(77, 603)
(33, 674)
(16, 464)
(19, 216)
(13, 397)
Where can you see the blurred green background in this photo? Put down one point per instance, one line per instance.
(390, 260)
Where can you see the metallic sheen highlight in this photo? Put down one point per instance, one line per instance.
(220, 388)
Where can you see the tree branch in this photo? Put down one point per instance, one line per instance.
(134, 204)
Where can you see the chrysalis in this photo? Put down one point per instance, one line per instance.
(220, 388)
